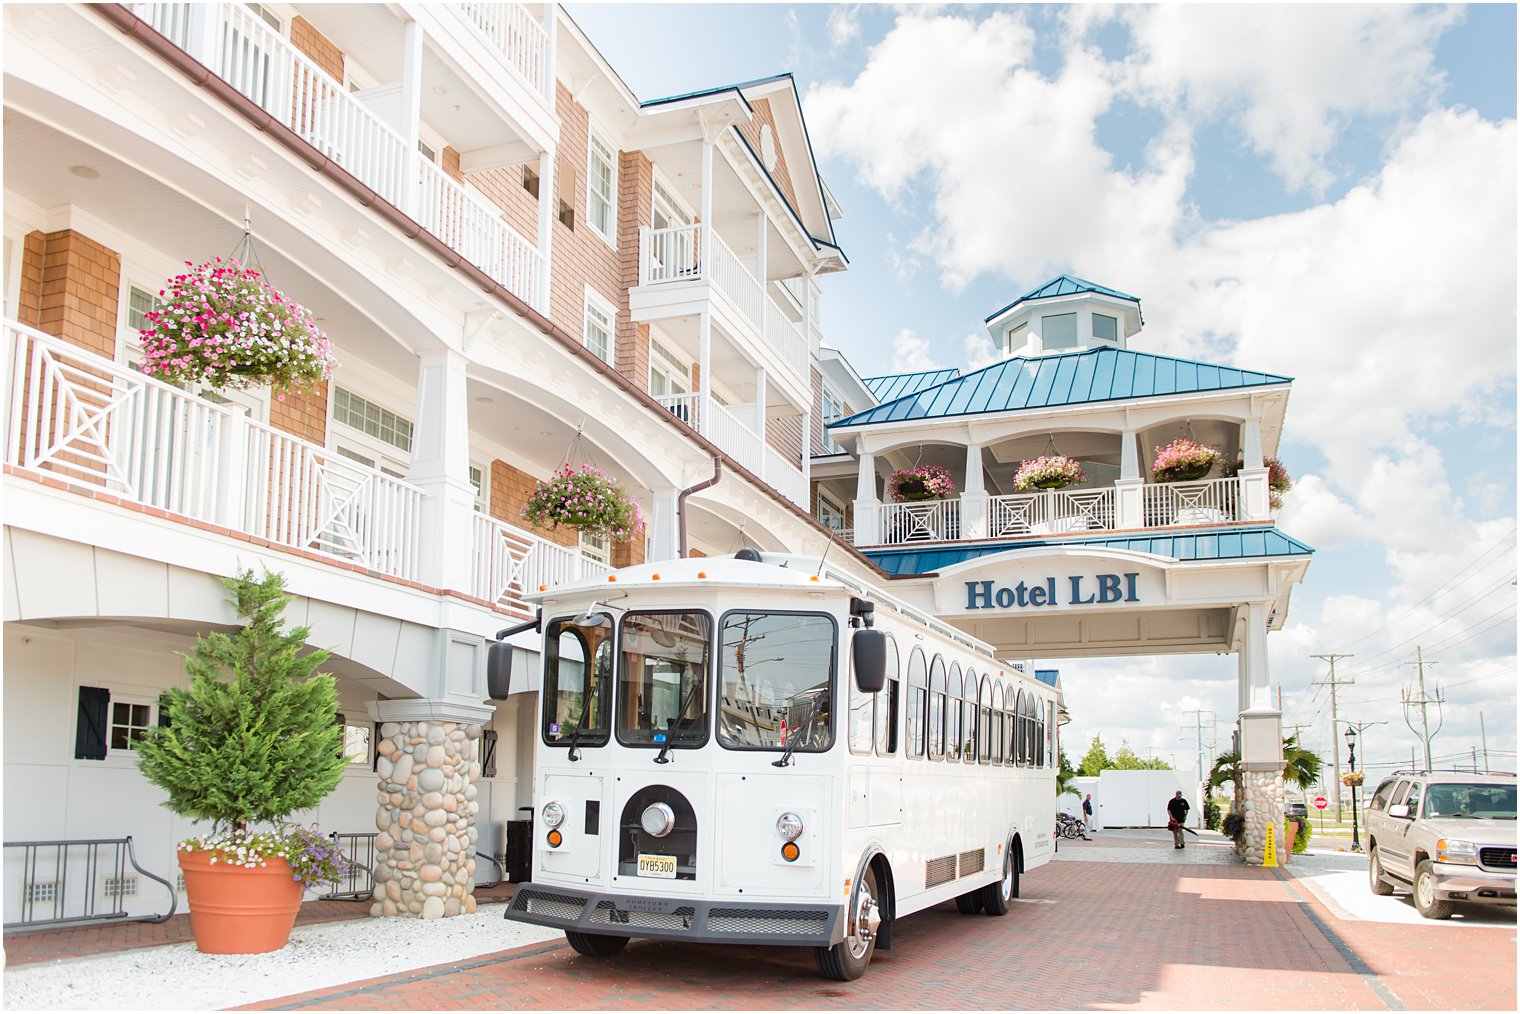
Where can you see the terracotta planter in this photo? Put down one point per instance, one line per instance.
(237, 910)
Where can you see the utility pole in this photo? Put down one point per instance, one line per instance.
(1484, 733)
(1335, 751)
(1423, 702)
(1198, 714)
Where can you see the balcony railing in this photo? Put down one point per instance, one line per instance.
(510, 563)
(786, 477)
(517, 37)
(1051, 512)
(238, 46)
(1210, 502)
(783, 334)
(923, 521)
(724, 429)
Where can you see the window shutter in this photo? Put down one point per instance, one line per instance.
(163, 709)
(90, 733)
(374, 763)
(488, 754)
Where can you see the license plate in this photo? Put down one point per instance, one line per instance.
(663, 867)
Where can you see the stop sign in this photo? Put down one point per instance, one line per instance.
(1320, 802)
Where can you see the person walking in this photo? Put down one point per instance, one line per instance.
(1177, 808)
(1087, 814)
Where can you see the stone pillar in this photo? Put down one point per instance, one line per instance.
(428, 766)
(1261, 755)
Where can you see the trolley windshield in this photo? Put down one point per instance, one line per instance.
(662, 693)
(577, 680)
(776, 681)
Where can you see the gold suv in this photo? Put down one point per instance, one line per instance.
(1444, 836)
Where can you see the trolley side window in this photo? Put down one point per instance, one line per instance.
(968, 715)
(577, 672)
(662, 695)
(862, 726)
(776, 681)
(887, 705)
(937, 689)
(953, 716)
(918, 703)
(985, 732)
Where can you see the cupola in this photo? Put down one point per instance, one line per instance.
(1066, 314)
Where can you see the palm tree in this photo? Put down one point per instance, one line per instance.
(1300, 766)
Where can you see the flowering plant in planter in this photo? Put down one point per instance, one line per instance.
(312, 858)
(586, 498)
(926, 482)
(1054, 471)
(1353, 778)
(1183, 460)
(1278, 479)
(223, 325)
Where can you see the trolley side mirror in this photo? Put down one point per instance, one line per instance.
(498, 670)
(868, 654)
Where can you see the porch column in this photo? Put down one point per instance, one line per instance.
(1261, 756)
(760, 238)
(428, 764)
(704, 374)
(663, 526)
(760, 423)
(974, 496)
(867, 506)
(441, 468)
(1129, 507)
(232, 481)
(546, 163)
(551, 67)
(411, 113)
(1255, 496)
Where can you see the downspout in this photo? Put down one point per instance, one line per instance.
(681, 503)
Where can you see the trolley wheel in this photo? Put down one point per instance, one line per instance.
(1425, 900)
(969, 903)
(848, 959)
(1380, 887)
(997, 898)
(595, 945)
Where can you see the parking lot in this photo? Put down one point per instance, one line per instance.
(1122, 921)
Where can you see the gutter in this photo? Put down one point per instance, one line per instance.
(201, 76)
(681, 504)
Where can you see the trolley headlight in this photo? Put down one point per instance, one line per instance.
(657, 820)
(553, 814)
(1455, 850)
(789, 826)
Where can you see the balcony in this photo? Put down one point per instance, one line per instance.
(79, 420)
(737, 439)
(238, 46)
(1055, 513)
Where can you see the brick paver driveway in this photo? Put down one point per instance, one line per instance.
(1115, 923)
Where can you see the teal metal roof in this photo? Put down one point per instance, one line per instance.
(1236, 544)
(1050, 677)
(1066, 378)
(1065, 285)
(900, 385)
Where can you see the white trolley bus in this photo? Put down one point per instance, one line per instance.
(750, 749)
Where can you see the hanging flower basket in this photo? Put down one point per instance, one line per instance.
(586, 498)
(223, 325)
(1352, 778)
(1184, 460)
(1278, 479)
(926, 482)
(1054, 471)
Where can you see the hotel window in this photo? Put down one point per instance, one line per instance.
(269, 16)
(130, 722)
(565, 181)
(830, 512)
(597, 548)
(830, 407)
(1105, 328)
(601, 186)
(372, 420)
(1058, 331)
(1017, 336)
(478, 483)
(139, 303)
(597, 325)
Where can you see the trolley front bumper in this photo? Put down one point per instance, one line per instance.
(623, 915)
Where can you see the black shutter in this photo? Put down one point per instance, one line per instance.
(90, 733)
(163, 709)
(488, 754)
(374, 763)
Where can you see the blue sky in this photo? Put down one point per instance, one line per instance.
(1325, 192)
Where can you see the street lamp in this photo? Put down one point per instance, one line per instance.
(1356, 843)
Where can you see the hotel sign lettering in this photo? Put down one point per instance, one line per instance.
(1078, 589)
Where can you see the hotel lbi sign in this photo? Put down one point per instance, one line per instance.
(1077, 589)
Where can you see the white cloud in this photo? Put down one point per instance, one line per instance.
(910, 354)
(1314, 513)
(843, 25)
(980, 351)
(1289, 76)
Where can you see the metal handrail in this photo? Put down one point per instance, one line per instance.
(93, 869)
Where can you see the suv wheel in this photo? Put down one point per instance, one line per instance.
(1425, 900)
(1380, 887)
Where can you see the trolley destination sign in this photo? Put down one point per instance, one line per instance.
(1079, 589)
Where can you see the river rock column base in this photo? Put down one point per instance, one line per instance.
(1263, 803)
(425, 851)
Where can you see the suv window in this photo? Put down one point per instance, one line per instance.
(1413, 799)
(1398, 793)
(1384, 793)
(1471, 800)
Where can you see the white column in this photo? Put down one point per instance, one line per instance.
(551, 54)
(410, 126)
(546, 163)
(441, 468)
(867, 506)
(1261, 754)
(233, 481)
(1255, 496)
(760, 239)
(704, 368)
(1255, 690)
(663, 526)
(1129, 509)
(974, 496)
(760, 396)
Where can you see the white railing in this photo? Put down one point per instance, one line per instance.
(921, 521)
(1051, 512)
(685, 407)
(517, 36)
(724, 429)
(236, 44)
(785, 477)
(670, 255)
(788, 341)
(510, 563)
(734, 280)
(1209, 502)
(81, 417)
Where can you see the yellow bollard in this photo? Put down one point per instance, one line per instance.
(1269, 854)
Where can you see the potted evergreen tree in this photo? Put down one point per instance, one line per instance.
(253, 740)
